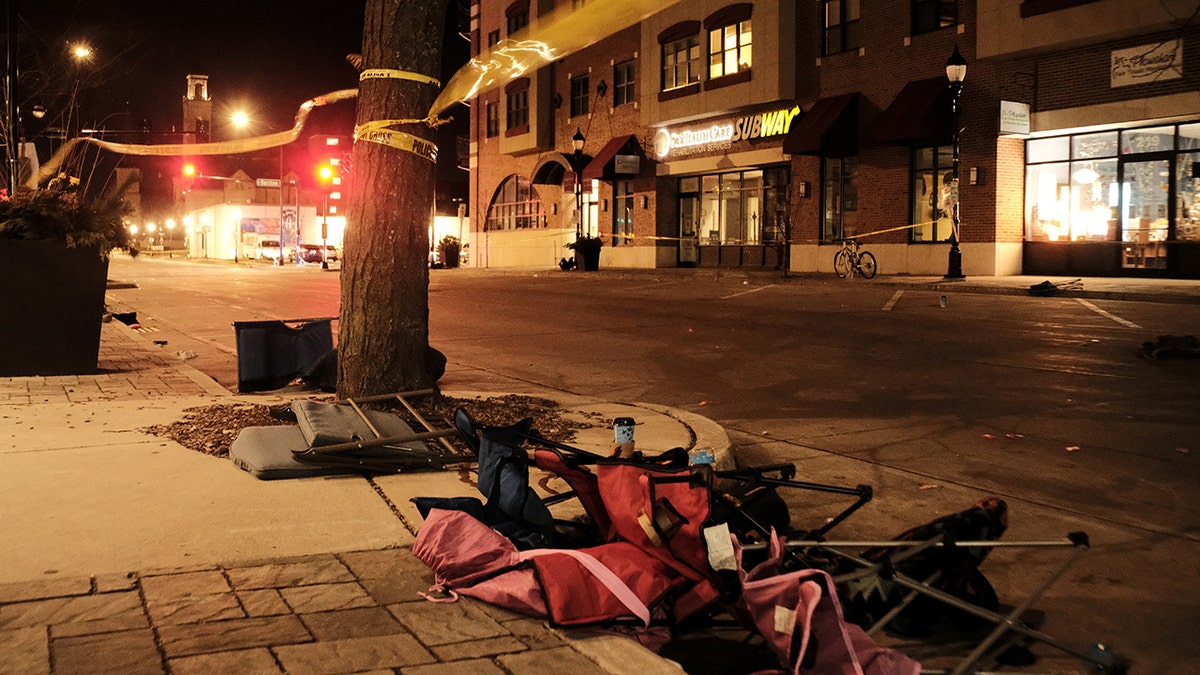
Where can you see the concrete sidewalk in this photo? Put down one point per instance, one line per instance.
(126, 553)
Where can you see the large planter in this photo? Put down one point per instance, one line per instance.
(450, 256)
(589, 258)
(51, 307)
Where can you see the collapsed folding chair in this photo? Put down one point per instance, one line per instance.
(891, 565)
(341, 437)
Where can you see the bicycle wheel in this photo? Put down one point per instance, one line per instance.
(866, 264)
(841, 263)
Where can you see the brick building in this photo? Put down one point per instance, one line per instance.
(757, 134)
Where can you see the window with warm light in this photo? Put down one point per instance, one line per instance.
(623, 209)
(932, 215)
(729, 49)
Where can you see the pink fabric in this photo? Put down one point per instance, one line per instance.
(767, 600)
(475, 560)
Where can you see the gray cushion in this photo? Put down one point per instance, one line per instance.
(329, 424)
(266, 452)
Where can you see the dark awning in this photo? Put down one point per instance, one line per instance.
(920, 114)
(829, 128)
(606, 165)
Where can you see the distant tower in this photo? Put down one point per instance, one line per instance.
(197, 108)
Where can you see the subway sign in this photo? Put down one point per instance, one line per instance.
(675, 142)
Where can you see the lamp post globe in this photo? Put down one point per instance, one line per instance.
(956, 72)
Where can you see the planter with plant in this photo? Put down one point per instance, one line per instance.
(449, 249)
(54, 248)
(587, 252)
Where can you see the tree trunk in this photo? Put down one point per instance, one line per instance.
(383, 334)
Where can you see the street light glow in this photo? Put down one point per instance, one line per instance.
(240, 119)
(81, 51)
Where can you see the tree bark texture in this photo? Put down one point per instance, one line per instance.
(383, 333)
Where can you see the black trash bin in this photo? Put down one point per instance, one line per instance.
(273, 353)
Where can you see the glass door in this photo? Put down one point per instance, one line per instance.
(1187, 197)
(689, 220)
(1145, 218)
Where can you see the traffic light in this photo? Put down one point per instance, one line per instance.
(326, 173)
(188, 173)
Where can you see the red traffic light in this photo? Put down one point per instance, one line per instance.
(325, 173)
(189, 170)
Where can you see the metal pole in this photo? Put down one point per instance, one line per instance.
(279, 260)
(954, 265)
(14, 113)
(578, 201)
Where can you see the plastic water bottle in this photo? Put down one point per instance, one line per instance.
(697, 456)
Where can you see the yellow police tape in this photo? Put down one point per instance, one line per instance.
(562, 32)
(558, 34)
(52, 167)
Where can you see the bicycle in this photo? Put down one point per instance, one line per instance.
(850, 259)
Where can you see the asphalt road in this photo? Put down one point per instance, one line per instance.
(1042, 401)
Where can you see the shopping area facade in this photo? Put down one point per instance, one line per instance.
(757, 134)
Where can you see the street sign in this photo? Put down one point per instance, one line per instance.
(268, 182)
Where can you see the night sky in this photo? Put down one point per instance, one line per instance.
(264, 57)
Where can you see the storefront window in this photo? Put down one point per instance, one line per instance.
(744, 207)
(1156, 139)
(932, 207)
(839, 197)
(1086, 146)
(622, 212)
(1072, 191)
(1189, 137)
(1187, 197)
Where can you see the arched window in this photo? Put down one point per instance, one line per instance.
(516, 206)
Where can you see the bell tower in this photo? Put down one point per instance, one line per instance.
(197, 108)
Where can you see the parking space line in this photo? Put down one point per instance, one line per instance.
(752, 290)
(1123, 322)
(892, 303)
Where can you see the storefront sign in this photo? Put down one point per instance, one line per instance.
(1014, 118)
(722, 135)
(627, 164)
(1147, 63)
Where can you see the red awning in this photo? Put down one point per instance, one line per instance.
(603, 166)
(829, 128)
(920, 114)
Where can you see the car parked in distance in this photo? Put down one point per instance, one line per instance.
(311, 253)
(268, 250)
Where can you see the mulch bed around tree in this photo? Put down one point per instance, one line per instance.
(211, 429)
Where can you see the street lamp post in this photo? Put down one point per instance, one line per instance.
(577, 141)
(956, 72)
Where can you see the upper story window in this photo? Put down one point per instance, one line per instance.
(680, 63)
(492, 111)
(493, 37)
(624, 83)
(516, 107)
(518, 16)
(930, 15)
(729, 40)
(579, 95)
(729, 49)
(841, 26)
